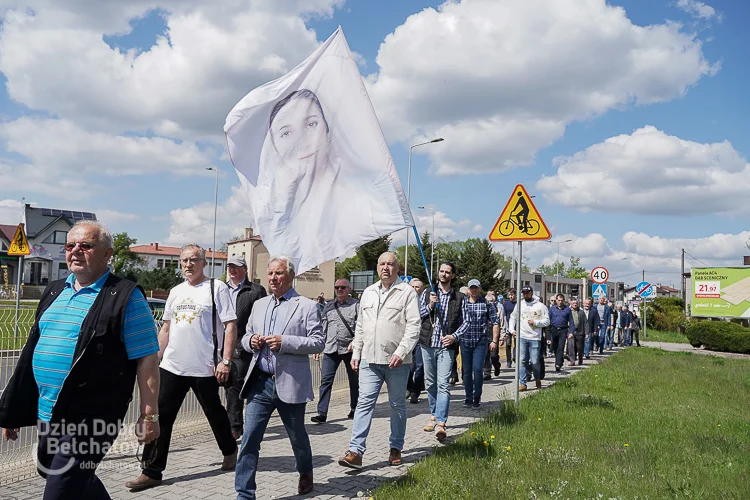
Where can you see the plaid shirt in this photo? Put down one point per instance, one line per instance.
(437, 327)
(477, 317)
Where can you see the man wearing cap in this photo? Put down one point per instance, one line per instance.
(534, 317)
(474, 340)
(339, 321)
(244, 294)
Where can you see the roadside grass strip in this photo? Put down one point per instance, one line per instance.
(645, 423)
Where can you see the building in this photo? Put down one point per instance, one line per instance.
(546, 287)
(309, 284)
(8, 265)
(157, 256)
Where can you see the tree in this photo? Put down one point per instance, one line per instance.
(575, 269)
(480, 261)
(369, 252)
(159, 279)
(125, 262)
(345, 268)
(225, 245)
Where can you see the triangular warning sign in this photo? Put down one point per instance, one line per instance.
(19, 245)
(519, 220)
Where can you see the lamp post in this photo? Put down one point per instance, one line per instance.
(216, 207)
(432, 250)
(408, 199)
(557, 264)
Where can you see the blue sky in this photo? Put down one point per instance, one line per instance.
(97, 117)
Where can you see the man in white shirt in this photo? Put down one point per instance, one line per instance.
(389, 310)
(534, 317)
(196, 344)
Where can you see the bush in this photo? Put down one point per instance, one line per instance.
(666, 314)
(719, 336)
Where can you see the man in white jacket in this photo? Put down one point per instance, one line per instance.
(386, 333)
(534, 317)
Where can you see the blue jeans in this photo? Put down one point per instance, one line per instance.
(261, 401)
(530, 353)
(371, 378)
(437, 363)
(610, 337)
(472, 361)
(628, 337)
(329, 365)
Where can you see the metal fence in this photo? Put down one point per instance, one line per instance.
(17, 458)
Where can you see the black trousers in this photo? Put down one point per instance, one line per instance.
(510, 352)
(415, 383)
(558, 336)
(575, 348)
(329, 366)
(69, 461)
(636, 334)
(172, 391)
(235, 404)
(491, 360)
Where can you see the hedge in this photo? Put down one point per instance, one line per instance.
(719, 336)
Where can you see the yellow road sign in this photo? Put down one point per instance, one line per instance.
(519, 220)
(19, 245)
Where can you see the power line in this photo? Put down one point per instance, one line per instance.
(698, 260)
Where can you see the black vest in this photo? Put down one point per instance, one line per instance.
(101, 379)
(454, 320)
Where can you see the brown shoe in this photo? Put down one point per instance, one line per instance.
(430, 426)
(440, 432)
(142, 482)
(229, 462)
(351, 460)
(538, 384)
(521, 388)
(305, 484)
(394, 458)
(572, 363)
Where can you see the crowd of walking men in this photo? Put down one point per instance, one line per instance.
(94, 339)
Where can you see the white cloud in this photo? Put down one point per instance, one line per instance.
(61, 148)
(55, 59)
(651, 172)
(698, 9)
(113, 218)
(11, 212)
(501, 80)
(478, 228)
(445, 228)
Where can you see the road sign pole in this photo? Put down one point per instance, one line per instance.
(645, 307)
(518, 325)
(18, 294)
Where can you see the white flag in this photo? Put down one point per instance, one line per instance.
(310, 154)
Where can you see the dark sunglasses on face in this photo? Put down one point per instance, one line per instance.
(84, 245)
(340, 287)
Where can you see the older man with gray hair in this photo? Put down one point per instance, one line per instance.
(387, 331)
(284, 329)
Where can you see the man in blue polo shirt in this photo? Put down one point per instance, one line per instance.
(94, 336)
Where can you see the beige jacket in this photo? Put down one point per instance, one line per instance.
(388, 324)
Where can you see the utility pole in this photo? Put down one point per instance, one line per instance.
(682, 274)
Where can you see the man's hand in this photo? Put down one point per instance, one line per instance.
(570, 335)
(531, 322)
(448, 340)
(395, 362)
(257, 341)
(274, 342)
(433, 299)
(355, 365)
(350, 348)
(316, 356)
(146, 431)
(221, 373)
(493, 346)
(10, 434)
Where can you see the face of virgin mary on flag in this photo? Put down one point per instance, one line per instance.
(310, 154)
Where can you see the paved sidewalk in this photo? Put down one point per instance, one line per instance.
(193, 470)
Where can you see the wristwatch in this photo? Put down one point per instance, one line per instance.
(151, 418)
(226, 362)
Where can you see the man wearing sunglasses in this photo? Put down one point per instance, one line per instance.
(339, 321)
(93, 338)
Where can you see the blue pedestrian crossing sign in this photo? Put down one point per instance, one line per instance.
(406, 279)
(599, 291)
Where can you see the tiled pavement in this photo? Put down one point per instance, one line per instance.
(193, 469)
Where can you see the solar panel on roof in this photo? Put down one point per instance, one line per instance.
(75, 215)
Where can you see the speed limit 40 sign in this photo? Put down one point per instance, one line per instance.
(599, 275)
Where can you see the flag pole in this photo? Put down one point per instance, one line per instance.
(424, 259)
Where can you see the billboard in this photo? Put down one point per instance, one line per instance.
(721, 292)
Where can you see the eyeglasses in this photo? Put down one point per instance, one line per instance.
(84, 245)
(340, 287)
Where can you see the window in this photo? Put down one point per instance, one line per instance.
(57, 238)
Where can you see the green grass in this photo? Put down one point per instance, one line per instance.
(644, 424)
(659, 336)
(7, 324)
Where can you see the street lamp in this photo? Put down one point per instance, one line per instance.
(557, 263)
(216, 206)
(432, 251)
(408, 199)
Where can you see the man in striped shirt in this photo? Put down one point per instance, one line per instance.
(94, 336)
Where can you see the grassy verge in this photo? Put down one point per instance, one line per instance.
(659, 336)
(643, 424)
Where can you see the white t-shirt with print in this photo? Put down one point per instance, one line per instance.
(190, 351)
